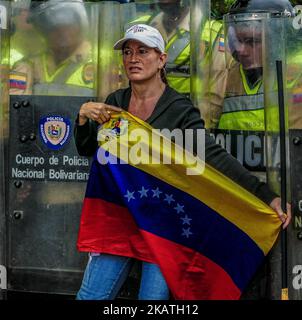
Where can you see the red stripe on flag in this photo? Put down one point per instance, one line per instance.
(190, 275)
(110, 228)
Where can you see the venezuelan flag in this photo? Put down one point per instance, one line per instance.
(207, 234)
(17, 80)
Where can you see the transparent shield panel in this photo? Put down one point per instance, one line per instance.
(130, 12)
(275, 50)
(109, 67)
(4, 81)
(212, 69)
(201, 51)
(293, 73)
(282, 87)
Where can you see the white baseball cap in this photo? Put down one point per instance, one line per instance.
(148, 35)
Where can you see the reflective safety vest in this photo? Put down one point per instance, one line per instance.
(70, 79)
(243, 106)
(74, 77)
(178, 64)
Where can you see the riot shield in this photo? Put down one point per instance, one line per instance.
(282, 44)
(235, 105)
(4, 76)
(274, 84)
(240, 120)
(293, 76)
(201, 49)
(46, 177)
(109, 67)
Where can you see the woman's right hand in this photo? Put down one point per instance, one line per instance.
(96, 111)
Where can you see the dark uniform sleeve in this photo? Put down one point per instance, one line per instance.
(220, 159)
(86, 137)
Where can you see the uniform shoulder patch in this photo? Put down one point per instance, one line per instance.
(297, 95)
(17, 80)
(221, 46)
(88, 72)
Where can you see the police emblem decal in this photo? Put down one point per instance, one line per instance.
(54, 131)
(88, 73)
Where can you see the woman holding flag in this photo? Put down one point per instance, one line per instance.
(114, 241)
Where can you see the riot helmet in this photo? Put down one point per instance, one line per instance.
(172, 7)
(62, 23)
(244, 38)
(244, 27)
(47, 15)
(283, 7)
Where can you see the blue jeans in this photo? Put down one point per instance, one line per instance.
(105, 274)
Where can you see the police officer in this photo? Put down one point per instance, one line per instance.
(173, 21)
(65, 67)
(243, 106)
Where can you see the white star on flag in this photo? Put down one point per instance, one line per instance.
(143, 192)
(186, 232)
(156, 193)
(169, 198)
(179, 208)
(129, 195)
(186, 220)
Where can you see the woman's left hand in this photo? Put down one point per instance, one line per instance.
(285, 218)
